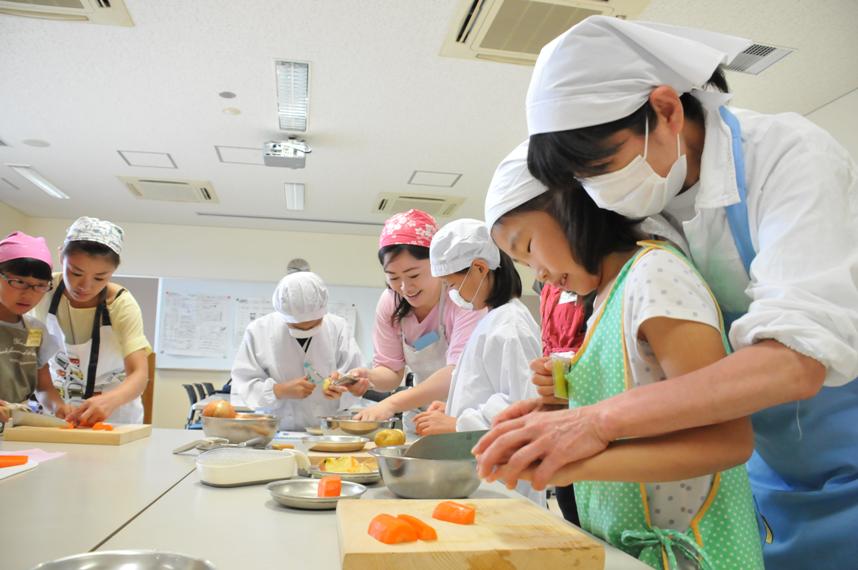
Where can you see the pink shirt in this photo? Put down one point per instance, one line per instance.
(387, 342)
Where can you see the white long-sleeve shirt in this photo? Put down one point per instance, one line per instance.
(269, 355)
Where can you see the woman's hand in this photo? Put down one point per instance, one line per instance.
(94, 410)
(545, 441)
(360, 387)
(434, 422)
(378, 412)
(296, 389)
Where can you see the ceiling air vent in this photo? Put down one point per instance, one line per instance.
(166, 190)
(441, 206)
(757, 58)
(108, 12)
(513, 31)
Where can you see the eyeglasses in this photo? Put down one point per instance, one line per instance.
(22, 285)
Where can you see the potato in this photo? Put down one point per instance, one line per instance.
(388, 437)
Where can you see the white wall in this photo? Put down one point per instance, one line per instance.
(10, 220)
(840, 118)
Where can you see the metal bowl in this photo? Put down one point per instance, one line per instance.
(314, 430)
(345, 425)
(304, 494)
(335, 443)
(242, 428)
(362, 478)
(130, 559)
(414, 478)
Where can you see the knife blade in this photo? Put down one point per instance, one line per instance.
(456, 445)
(24, 418)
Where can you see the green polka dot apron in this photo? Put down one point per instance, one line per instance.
(723, 533)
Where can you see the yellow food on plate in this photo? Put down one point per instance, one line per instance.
(282, 446)
(388, 437)
(345, 464)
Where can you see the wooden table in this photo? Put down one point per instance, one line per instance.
(140, 496)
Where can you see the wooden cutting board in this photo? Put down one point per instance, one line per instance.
(121, 434)
(508, 534)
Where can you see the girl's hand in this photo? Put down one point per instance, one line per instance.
(437, 406)
(94, 410)
(296, 389)
(431, 423)
(378, 412)
(360, 387)
(543, 379)
(5, 412)
(63, 410)
(332, 392)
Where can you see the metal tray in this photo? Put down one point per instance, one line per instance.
(303, 494)
(335, 443)
(130, 559)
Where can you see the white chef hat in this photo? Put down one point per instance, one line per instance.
(301, 297)
(512, 185)
(459, 243)
(98, 231)
(603, 69)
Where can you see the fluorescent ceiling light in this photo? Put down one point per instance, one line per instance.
(294, 196)
(40, 181)
(293, 97)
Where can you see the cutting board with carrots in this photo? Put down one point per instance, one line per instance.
(121, 434)
(507, 534)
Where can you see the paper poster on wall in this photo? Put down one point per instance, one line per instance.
(196, 325)
(247, 310)
(347, 311)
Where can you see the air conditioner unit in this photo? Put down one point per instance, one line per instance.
(440, 206)
(170, 190)
(108, 12)
(513, 31)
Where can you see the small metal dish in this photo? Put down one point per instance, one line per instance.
(304, 494)
(314, 430)
(362, 478)
(347, 425)
(137, 559)
(335, 443)
(242, 428)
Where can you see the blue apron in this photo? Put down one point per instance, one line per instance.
(804, 471)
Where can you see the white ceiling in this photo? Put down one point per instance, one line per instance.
(383, 102)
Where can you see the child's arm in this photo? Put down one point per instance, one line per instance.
(680, 347)
(47, 394)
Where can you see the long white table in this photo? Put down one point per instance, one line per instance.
(71, 504)
(140, 496)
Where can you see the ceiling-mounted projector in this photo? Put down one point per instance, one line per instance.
(291, 153)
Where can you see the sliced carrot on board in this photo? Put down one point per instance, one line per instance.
(330, 486)
(68, 425)
(12, 460)
(451, 511)
(424, 531)
(101, 426)
(391, 530)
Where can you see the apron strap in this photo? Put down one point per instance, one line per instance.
(56, 297)
(95, 345)
(737, 214)
(668, 539)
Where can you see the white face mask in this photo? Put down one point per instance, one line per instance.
(457, 298)
(636, 190)
(298, 333)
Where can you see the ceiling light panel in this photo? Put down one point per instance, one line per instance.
(294, 196)
(293, 94)
(239, 155)
(431, 178)
(38, 180)
(147, 159)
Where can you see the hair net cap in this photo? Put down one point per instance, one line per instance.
(98, 231)
(301, 297)
(458, 244)
(603, 69)
(512, 185)
(414, 227)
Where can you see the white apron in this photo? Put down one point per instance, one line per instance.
(81, 371)
(426, 361)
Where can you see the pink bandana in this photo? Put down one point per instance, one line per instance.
(19, 245)
(408, 228)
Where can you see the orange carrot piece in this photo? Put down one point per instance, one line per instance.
(391, 530)
(12, 460)
(330, 486)
(101, 426)
(424, 531)
(68, 425)
(451, 511)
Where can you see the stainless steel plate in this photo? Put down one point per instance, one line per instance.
(314, 430)
(303, 494)
(336, 443)
(127, 559)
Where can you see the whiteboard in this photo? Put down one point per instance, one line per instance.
(201, 322)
